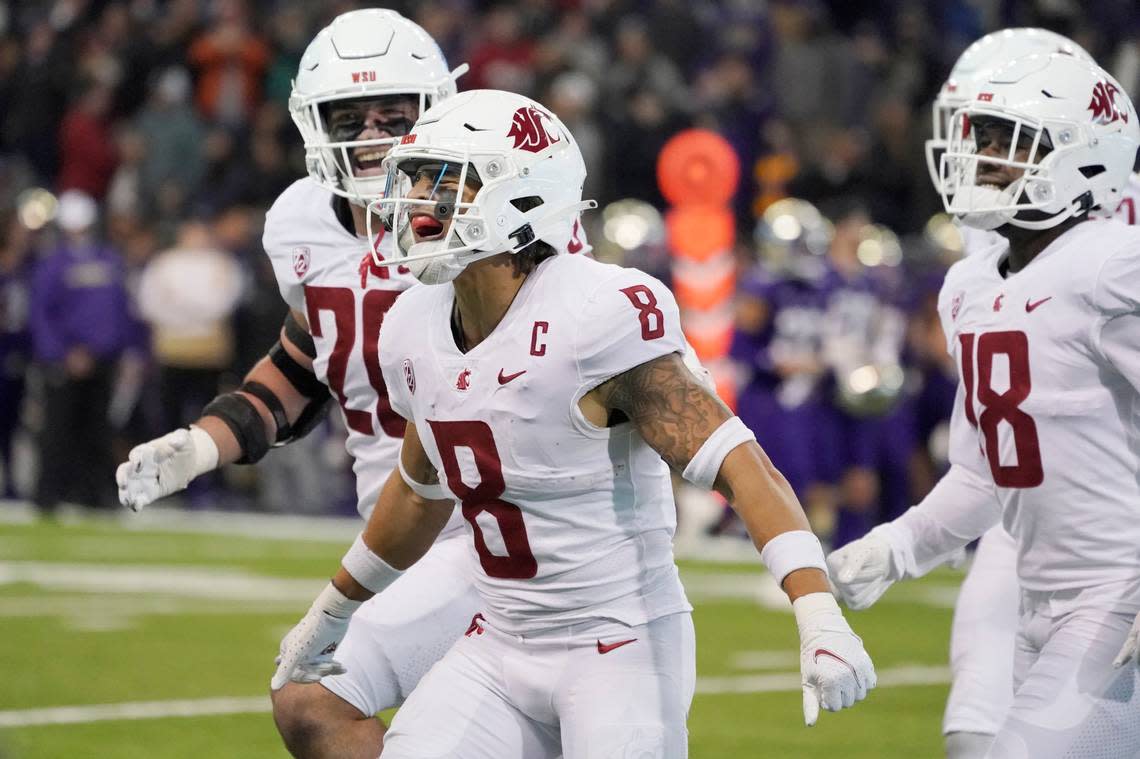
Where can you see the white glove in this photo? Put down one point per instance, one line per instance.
(306, 653)
(862, 570)
(1130, 651)
(835, 670)
(164, 465)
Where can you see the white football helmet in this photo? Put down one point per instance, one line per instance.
(523, 160)
(974, 67)
(362, 54)
(1080, 130)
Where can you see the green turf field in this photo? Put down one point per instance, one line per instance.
(140, 628)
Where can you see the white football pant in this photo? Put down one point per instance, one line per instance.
(1069, 702)
(983, 637)
(596, 690)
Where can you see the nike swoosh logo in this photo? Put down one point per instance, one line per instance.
(1030, 306)
(824, 652)
(505, 378)
(605, 648)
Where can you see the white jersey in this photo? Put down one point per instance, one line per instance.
(327, 273)
(1044, 414)
(570, 522)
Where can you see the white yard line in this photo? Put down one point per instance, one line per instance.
(207, 707)
(74, 715)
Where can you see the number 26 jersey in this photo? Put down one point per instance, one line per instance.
(326, 272)
(570, 522)
(1049, 365)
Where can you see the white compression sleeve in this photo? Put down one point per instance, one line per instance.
(960, 508)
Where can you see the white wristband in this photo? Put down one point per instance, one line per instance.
(430, 492)
(789, 551)
(705, 464)
(205, 451)
(367, 568)
(336, 604)
(813, 607)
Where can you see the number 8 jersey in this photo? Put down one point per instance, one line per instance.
(326, 272)
(569, 521)
(1049, 366)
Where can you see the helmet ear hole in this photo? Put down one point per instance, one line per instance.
(530, 202)
(1091, 171)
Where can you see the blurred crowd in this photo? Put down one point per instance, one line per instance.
(142, 140)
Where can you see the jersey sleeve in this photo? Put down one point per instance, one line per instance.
(629, 319)
(1117, 288)
(1120, 344)
(399, 373)
(276, 242)
(961, 507)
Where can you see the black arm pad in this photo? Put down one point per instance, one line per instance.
(244, 421)
(273, 403)
(309, 417)
(299, 336)
(300, 377)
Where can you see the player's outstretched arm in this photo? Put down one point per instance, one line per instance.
(279, 401)
(410, 513)
(959, 509)
(696, 433)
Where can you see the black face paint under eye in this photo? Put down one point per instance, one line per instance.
(350, 131)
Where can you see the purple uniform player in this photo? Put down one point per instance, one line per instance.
(777, 341)
(871, 419)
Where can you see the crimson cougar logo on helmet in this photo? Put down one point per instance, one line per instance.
(1104, 104)
(529, 128)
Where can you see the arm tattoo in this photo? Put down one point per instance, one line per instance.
(668, 406)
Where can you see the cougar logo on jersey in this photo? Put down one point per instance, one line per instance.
(464, 380)
(410, 376)
(300, 262)
(529, 130)
(1104, 105)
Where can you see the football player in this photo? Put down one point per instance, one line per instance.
(547, 395)
(1043, 326)
(776, 340)
(361, 84)
(985, 615)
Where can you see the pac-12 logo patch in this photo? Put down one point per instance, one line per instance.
(301, 262)
(410, 376)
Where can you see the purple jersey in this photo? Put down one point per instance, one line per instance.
(784, 412)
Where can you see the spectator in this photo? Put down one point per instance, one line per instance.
(187, 295)
(81, 325)
(230, 60)
(639, 67)
(504, 58)
(37, 100)
(14, 342)
(88, 153)
(173, 134)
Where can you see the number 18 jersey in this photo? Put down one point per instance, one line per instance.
(1044, 412)
(570, 522)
